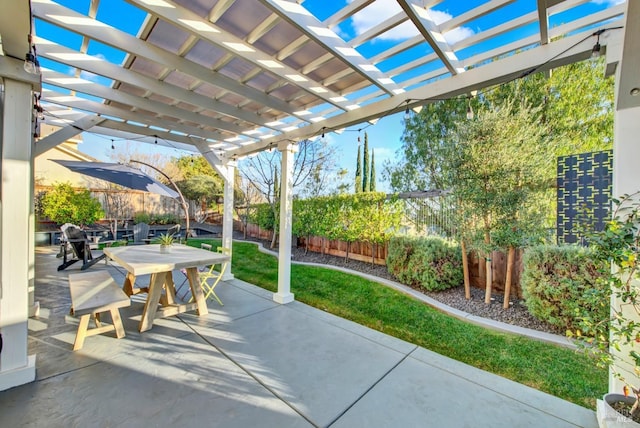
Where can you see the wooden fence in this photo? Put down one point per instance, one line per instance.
(360, 251)
(365, 252)
(477, 272)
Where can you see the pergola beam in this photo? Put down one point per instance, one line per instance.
(309, 25)
(560, 52)
(430, 32)
(135, 47)
(65, 133)
(206, 30)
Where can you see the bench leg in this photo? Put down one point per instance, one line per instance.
(96, 319)
(82, 332)
(117, 323)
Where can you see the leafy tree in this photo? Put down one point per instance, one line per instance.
(494, 168)
(425, 140)
(574, 111)
(116, 204)
(203, 189)
(63, 204)
(198, 182)
(263, 171)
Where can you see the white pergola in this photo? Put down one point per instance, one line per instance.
(229, 78)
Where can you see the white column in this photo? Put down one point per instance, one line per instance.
(626, 150)
(16, 367)
(227, 213)
(284, 294)
(626, 180)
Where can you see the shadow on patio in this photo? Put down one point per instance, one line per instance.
(253, 362)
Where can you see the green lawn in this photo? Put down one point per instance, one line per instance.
(549, 368)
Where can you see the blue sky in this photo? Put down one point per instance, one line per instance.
(385, 136)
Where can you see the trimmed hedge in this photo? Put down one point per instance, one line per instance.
(560, 284)
(430, 263)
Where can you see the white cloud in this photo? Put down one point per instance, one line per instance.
(379, 10)
(382, 154)
(609, 2)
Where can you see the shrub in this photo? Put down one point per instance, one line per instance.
(141, 217)
(560, 285)
(63, 204)
(399, 252)
(263, 216)
(167, 218)
(429, 263)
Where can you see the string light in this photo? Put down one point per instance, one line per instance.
(595, 52)
(112, 146)
(31, 63)
(470, 114)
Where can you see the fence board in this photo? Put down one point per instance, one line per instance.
(477, 275)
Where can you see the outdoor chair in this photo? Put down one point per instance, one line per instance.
(209, 278)
(174, 231)
(140, 234)
(76, 240)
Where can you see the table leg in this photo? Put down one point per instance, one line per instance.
(129, 285)
(170, 291)
(129, 281)
(153, 298)
(196, 290)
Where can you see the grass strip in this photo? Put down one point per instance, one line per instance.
(559, 371)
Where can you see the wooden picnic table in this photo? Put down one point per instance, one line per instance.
(147, 259)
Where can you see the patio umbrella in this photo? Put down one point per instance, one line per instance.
(120, 174)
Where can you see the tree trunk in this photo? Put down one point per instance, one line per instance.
(465, 271)
(373, 253)
(489, 276)
(273, 240)
(346, 257)
(507, 281)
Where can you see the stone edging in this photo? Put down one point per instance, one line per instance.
(484, 322)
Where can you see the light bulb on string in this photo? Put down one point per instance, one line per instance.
(470, 114)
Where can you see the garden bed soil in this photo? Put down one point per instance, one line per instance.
(517, 314)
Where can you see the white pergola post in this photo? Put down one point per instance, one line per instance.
(16, 367)
(227, 213)
(626, 150)
(227, 170)
(284, 294)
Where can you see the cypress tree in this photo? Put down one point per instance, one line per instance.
(358, 183)
(365, 167)
(372, 181)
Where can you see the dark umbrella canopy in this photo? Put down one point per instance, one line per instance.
(119, 174)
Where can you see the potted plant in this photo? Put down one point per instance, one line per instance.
(166, 241)
(617, 337)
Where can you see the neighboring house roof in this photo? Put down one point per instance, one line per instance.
(47, 172)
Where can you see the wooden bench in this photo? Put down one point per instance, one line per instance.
(91, 294)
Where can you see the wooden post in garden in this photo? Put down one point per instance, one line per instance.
(465, 271)
(488, 279)
(507, 282)
(487, 262)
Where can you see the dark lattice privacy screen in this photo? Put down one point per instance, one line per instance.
(584, 194)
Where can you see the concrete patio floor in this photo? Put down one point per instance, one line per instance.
(254, 363)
